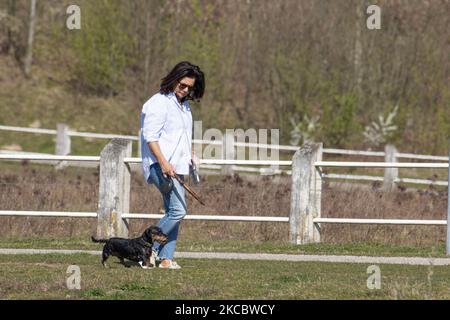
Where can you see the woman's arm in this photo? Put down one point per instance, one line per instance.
(166, 167)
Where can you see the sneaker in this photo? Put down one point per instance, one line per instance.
(172, 265)
(153, 258)
(155, 255)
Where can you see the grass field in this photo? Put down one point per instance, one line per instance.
(30, 187)
(275, 247)
(43, 276)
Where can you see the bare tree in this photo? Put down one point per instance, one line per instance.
(31, 28)
(12, 13)
(249, 62)
(147, 46)
(358, 51)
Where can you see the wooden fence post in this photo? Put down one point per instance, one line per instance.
(447, 240)
(390, 174)
(62, 140)
(63, 144)
(139, 144)
(305, 195)
(228, 151)
(114, 191)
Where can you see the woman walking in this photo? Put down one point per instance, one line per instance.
(166, 148)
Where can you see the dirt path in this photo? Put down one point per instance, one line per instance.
(266, 256)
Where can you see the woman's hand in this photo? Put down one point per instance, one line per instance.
(167, 169)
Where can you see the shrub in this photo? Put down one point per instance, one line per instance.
(101, 48)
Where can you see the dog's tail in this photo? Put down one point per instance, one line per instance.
(98, 240)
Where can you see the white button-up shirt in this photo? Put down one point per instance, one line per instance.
(165, 120)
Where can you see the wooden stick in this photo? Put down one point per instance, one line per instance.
(188, 189)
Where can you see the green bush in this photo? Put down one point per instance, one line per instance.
(102, 48)
(338, 123)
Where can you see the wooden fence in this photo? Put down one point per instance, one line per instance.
(389, 180)
(305, 211)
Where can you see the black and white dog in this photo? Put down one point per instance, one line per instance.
(137, 249)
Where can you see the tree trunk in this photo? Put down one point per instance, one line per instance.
(12, 13)
(358, 52)
(147, 48)
(29, 54)
(249, 64)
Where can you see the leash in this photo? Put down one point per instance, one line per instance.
(188, 189)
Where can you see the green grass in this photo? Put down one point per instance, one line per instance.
(360, 249)
(44, 277)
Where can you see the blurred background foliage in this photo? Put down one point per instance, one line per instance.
(269, 64)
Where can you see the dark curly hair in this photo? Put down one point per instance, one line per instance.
(181, 70)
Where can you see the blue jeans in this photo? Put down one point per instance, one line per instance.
(176, 209)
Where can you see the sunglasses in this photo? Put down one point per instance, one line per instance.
(183, 86)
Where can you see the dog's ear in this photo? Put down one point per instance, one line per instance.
(154, 229)
(158, 230)
(147, 233)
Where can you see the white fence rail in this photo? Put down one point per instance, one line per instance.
(391, 175)
(71, 214)
(219, 142)
(69, 132)
(341, 164)
(381, 179)
(381, 221)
